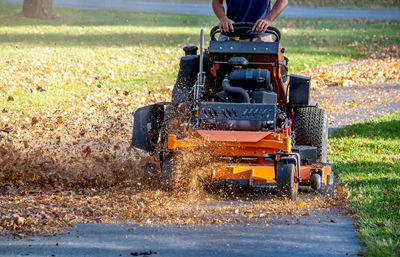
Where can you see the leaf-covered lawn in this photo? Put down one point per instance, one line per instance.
(46, 64)
(366, 157)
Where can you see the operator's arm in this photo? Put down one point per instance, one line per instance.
(225, 24)
(261, 25)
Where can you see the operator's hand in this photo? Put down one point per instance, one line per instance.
(226, 25)
(261, 25)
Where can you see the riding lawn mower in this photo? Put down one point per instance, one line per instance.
(236, 101)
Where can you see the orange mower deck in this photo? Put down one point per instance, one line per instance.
(263, 173)
(247, 144)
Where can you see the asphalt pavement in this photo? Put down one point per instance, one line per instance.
(287, 236)
(202, 8)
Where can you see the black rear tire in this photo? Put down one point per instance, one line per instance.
(310, 125)
(287, 185)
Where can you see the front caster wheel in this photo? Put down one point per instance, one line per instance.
(287, 184)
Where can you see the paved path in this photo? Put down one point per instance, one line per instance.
(347, 105)
(304, 236)
(205, 9)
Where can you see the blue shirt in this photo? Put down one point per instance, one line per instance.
(247, 10)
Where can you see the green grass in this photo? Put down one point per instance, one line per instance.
(70, 56)
(366, 158)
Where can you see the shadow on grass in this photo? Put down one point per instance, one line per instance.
(372, 176)
(90, 40)
(66, 39)
(76, 17)
(371, 130)
(10, 15)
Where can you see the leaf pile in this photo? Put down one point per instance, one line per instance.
(383, 66)
(77, 165)
(48, 213)
(68, 147)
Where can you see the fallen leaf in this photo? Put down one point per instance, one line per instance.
(87, 151)
(20, 221)
(126, 213)
(40, 89)
(34, 120)
(56, 197)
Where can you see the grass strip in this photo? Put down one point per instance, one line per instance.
(366, 158)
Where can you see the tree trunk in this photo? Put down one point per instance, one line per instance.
(39, 9)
